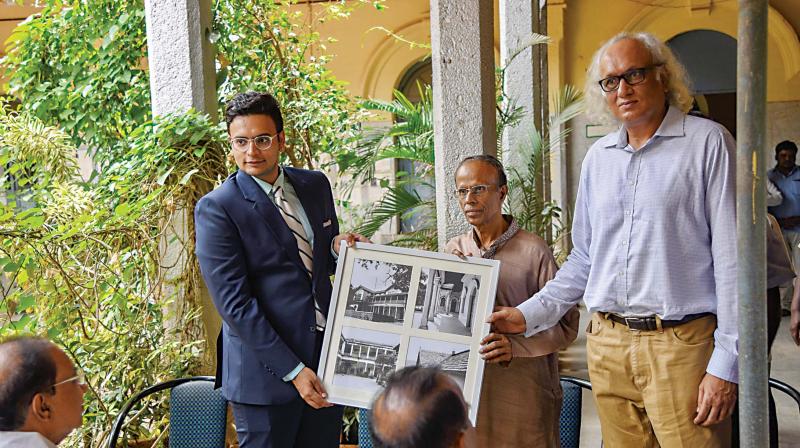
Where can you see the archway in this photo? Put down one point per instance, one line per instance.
(710, 60)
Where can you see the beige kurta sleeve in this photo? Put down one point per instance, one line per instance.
(526, 265)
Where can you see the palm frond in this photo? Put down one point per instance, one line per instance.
(533, 39)
(397, 201)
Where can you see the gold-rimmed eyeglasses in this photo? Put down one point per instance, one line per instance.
(79, 378)
(476, 190)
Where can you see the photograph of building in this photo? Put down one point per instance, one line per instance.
(446, 301)
(378, 291)
(365, 358)
(452, 358)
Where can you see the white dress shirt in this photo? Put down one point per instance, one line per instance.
(15, 439)
(654, 232)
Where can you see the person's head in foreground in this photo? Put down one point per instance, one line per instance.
(421, 406)
(40, 390)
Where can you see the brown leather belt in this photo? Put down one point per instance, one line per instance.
(648, 323)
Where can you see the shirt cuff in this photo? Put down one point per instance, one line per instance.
(533, 310)
(293, 374)
(723, 365)
(333, 251)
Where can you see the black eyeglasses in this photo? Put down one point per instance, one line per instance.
(632, 77)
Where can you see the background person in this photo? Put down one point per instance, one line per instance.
(41, 394)
(267, 240)
(654, 257)
(421, 407)
(520, 402)
(786, 176)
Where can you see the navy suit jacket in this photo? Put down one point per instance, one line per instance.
(249, 259)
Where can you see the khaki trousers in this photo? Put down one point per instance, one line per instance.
(645, 384)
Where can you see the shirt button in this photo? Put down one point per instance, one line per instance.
(630, 183)
(627, 213)
(312, 328)
(620, 273)
(624, 242)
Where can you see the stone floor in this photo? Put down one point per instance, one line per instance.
(785, 367)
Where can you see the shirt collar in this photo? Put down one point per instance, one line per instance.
(671, 126)
(512, 230)
(268, 187)
(791, 173)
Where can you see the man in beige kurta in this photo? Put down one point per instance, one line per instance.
(520, 399)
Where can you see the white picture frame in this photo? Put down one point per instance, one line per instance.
(377, 325)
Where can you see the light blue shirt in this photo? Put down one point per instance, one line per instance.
(790, 190)
(654, 232)
(291, 197)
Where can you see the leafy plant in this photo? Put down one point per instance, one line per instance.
(528, 203)
(80, 261)
(82, 66)
(411, 138)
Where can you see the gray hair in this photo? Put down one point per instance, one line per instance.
(671, 72)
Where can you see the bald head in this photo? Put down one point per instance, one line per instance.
(420, 406)
(26, 368)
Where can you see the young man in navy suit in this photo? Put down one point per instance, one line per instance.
(267, 242)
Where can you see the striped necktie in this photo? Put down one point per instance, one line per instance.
(303, 246)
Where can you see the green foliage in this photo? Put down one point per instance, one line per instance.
(81, 66)
(80, 261)
(410, 138)
(265, 46)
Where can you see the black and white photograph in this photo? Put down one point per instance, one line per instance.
(365, 358)
(378, 291)
(451, 357)
(446, 301)
(392, 307)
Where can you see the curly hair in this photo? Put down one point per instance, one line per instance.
(670, 72)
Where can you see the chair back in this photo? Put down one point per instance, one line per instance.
(569, 425)
(364, 437)
(198, 415)
(787, 389)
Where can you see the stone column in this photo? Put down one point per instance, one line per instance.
(525, 83)
(464, 104)
(180, 56)
(182, 77)
(516, 27)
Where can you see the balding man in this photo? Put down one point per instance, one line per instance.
(421, 406)
(41, 394)
(654, 257)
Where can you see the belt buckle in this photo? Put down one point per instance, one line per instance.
(636, 323)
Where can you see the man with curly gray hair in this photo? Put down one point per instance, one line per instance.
(654, 257)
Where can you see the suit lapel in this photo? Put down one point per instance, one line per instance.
(308, 197)
(267, 210)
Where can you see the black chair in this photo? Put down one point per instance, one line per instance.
(569, 426)
(787, 389)
(198, 413)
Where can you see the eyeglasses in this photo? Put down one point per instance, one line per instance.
(476, 190)
(242, 144)
(632, 77)
(79, 379)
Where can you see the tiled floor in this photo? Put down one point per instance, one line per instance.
(785, 367)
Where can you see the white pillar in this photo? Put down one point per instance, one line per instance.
(182, 76)
(180, 56)
(462, 44)
(516, 27)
